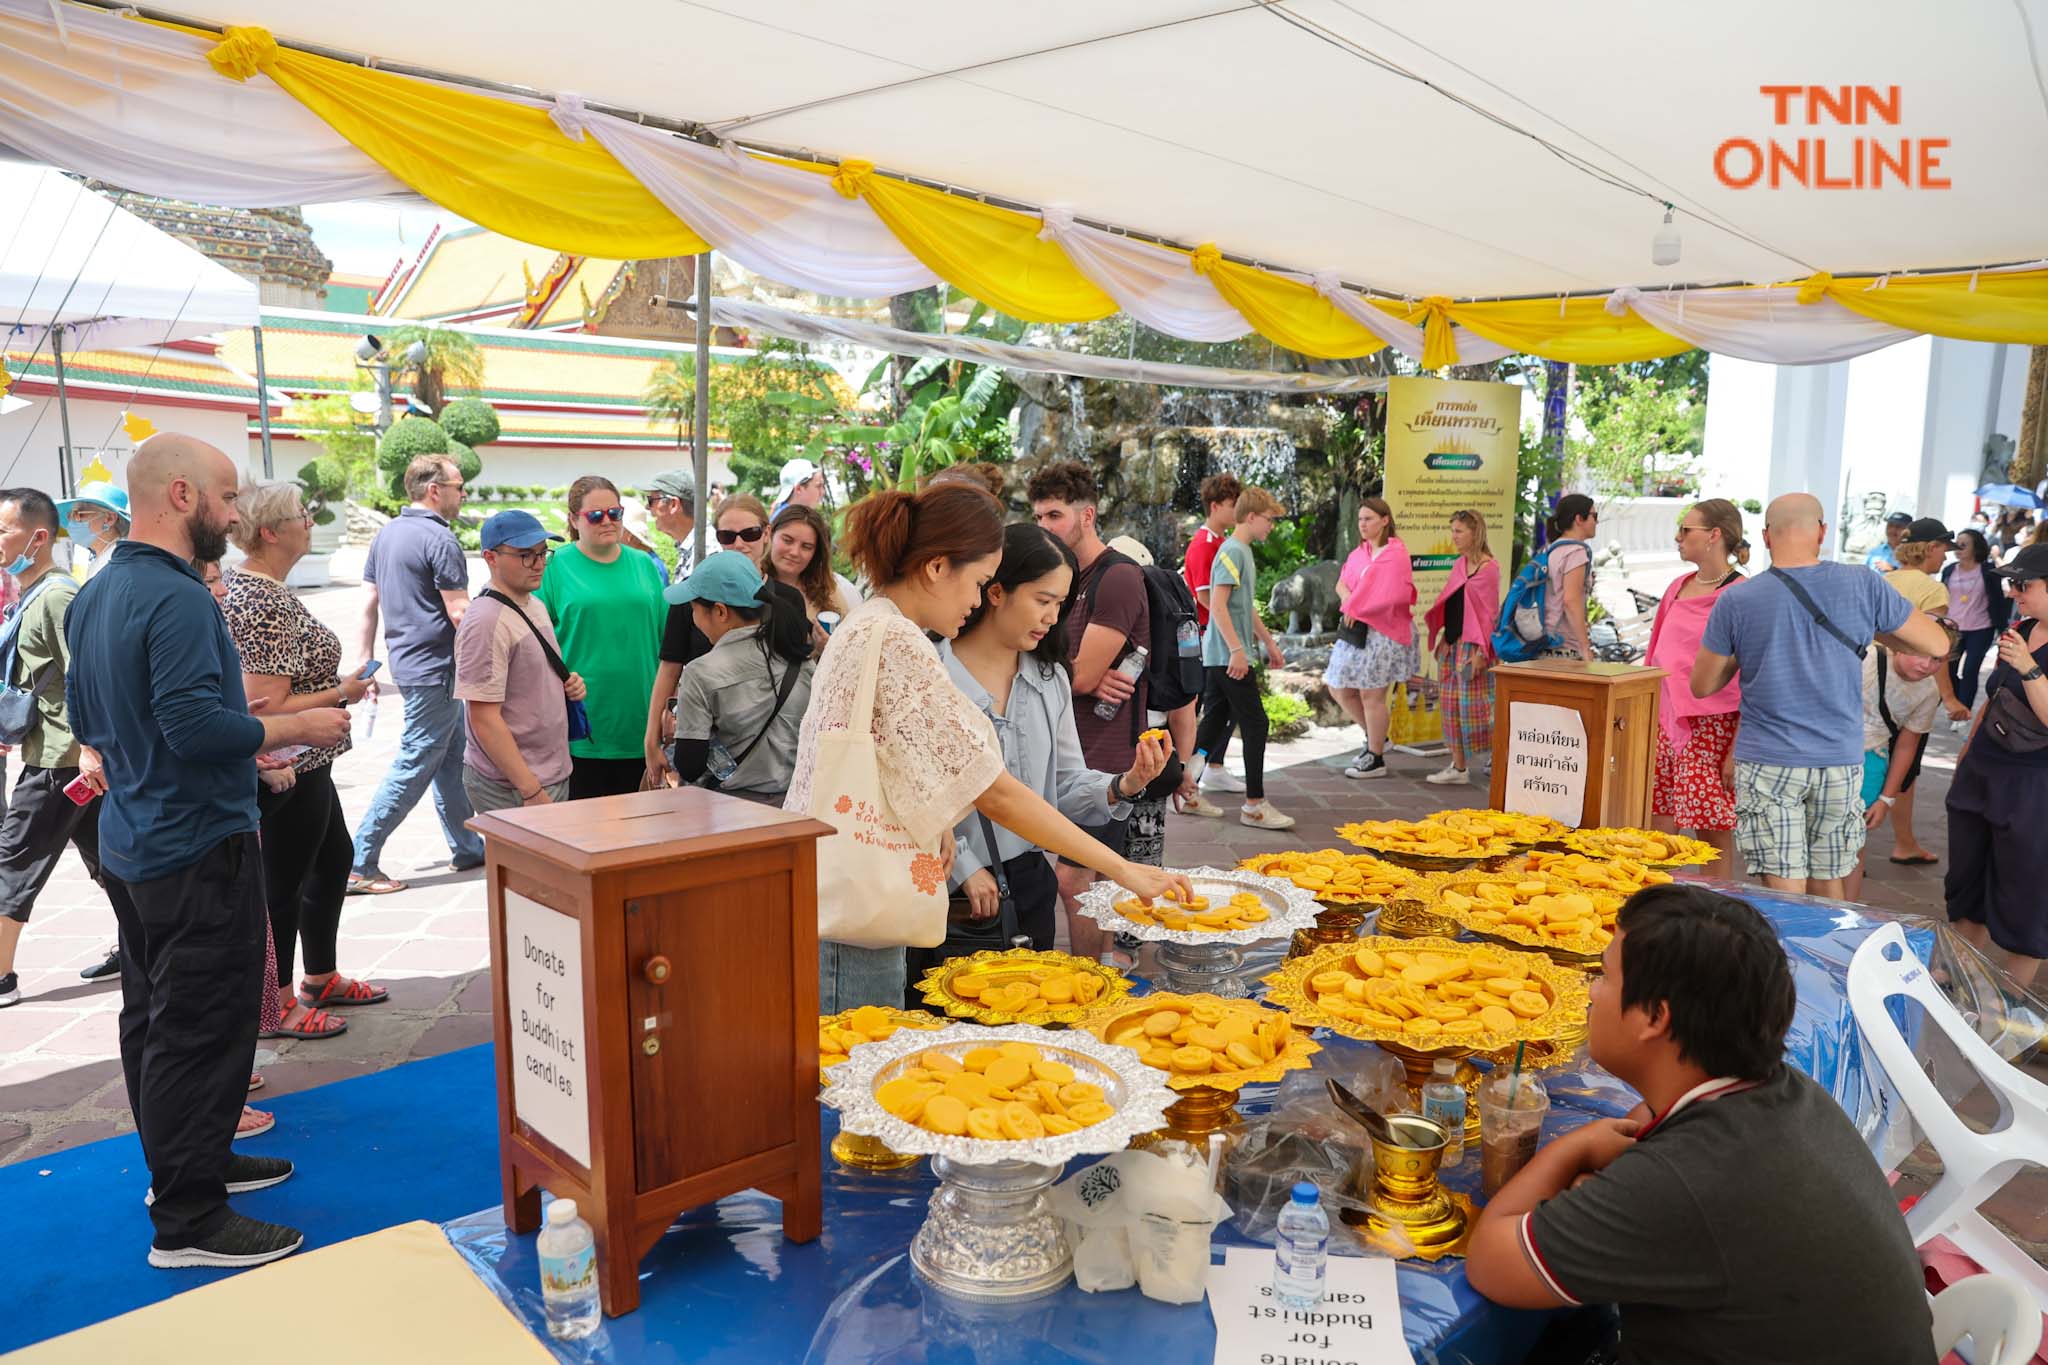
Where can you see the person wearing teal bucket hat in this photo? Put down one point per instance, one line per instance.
(96, 520)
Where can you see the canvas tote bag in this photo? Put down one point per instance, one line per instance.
(876, 887)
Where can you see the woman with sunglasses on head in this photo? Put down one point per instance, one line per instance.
(800, 555)
(1978, 606)
(1695, 782)
(607, 608)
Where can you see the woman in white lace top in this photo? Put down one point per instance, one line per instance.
(929, 554)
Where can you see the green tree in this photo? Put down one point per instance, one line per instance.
(1643, 435)
(343, 434)
(471, 421)
(454, 362)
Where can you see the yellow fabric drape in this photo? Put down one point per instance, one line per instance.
(2007, 306)
(1291, 314)
(500, 164)
(1584, 333)
(989, 253)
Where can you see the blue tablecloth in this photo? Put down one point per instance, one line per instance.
(724, 1285)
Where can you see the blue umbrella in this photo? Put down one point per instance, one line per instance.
(2009, 495)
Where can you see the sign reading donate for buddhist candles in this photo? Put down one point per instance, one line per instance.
(1453, 445)
(1546, 761)
(544, 992)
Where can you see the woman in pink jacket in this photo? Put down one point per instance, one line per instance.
(1695, 788)
(1376, 642)
(1461, 636)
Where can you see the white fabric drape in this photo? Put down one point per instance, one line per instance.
(976, 350)
(777, 221)
(137, 105)
(1404, 337)
(1154, 285)
(1769, 325)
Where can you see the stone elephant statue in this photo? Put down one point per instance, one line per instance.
(1309, 598)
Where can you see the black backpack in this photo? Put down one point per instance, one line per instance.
(1173, 668)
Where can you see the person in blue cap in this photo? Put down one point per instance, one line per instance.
(510, 675)
(740, 706)
(96, 520)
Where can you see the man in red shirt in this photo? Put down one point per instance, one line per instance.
(1219, 504)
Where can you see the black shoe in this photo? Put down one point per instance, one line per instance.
(239, 1241)
(464, 864)
(10, 990)
(110, 967)
(246, 1173)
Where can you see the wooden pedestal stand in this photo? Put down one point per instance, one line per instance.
(654, 964)
(1596, 772)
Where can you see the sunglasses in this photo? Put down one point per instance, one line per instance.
(598, 516)
(749, 534)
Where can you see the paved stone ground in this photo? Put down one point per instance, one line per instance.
(60, 1079)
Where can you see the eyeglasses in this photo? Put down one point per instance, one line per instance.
(456, 484)
(1682, 529)
(597, 516)
(749, 534)
(535, 557)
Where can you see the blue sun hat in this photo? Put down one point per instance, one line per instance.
(728, 576)
(106, 496)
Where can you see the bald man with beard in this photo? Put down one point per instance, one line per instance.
(1796, 635)
(155, 686)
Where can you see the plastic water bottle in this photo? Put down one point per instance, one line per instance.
(568, 1272)
(1188, 639)
(1301, 1247)
(719, 762)
(1443, 1101)
(1133, 667)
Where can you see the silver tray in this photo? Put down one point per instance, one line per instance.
(1288, 908)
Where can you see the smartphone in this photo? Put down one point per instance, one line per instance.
(80, 791)
(369, 670)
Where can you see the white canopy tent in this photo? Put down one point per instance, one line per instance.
(78, 271)
(1418, 150)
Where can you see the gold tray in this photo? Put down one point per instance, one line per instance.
(902, 1019)
(854, 1152)
(1515, 826)
(1284, 865)
(1623, 876)
(1602, 843)
(1294, 1057)
(1577, 951)
(1565, 988)
(994, 968)
(1359, 836)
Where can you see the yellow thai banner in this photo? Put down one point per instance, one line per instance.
(1453, 445)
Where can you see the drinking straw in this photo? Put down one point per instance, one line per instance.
(1515, 1080)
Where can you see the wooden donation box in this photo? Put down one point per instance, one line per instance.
(654, 961)
(1575, 741)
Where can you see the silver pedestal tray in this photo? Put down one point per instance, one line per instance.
(1194, 961)
(989, 1234)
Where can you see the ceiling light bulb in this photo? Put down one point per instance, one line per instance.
(1664, 247)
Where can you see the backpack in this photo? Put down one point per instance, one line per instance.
(1173, 668)
(1520, 634)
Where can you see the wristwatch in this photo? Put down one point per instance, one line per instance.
(2031, 674)
(1888, 800)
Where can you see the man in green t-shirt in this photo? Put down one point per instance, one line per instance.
(1233, 625)
(41, 819)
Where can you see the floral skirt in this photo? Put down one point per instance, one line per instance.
(1689, 789)
(1376, 664)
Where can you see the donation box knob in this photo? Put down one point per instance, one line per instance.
(656, 970)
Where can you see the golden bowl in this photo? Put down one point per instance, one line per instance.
(1293, 1055)
(1581, 950)
(1654, 848)
(940, 986)
(851, 1150)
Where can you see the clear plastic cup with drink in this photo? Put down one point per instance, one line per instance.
(1511, 1114)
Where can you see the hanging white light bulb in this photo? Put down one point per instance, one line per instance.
(1665, 246)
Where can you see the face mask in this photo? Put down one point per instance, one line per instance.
(23, 560)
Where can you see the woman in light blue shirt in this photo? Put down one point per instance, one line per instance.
(1010, 660)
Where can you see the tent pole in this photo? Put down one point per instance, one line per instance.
(700, 423)
(263, 401)
(64, 462)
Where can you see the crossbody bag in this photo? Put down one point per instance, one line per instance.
(18, 704)
(710, 781)
(579, 719)
(1812, 609)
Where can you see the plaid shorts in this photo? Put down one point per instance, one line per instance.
(1798, 822)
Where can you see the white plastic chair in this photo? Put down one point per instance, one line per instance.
(1997, 1315)
(1974, 1165)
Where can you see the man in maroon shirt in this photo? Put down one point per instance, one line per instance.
(1108, 615)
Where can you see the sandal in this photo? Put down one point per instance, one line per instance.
(312, 1024)
(256, 1081)
(341, 990)
(373, 886)
(253, 1122)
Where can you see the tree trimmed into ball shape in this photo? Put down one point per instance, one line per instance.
(470, 421)
(468, 461)
(409, 438)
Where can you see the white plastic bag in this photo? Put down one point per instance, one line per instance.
(1142, 1218)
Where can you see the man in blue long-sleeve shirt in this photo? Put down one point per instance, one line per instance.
(155, 686)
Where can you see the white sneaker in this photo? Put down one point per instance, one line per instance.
(1195, 805)
(1220, 779)
(1263, 816)
(1450, 777)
